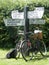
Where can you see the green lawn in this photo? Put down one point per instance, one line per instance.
(21, 61)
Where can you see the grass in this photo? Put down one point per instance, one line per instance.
(21, 61)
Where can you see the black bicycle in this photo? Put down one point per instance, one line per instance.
(28, 48)
(19, 46)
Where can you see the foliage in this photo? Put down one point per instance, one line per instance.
(6, 6)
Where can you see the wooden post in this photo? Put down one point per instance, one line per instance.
(26, 27)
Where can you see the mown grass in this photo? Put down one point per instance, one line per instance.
(21, 61)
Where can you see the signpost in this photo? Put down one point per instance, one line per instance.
(21, 22)
(36, 21)
(26, 27)
(14, 22)
(17, 15)
(25, 18)
(37, 13)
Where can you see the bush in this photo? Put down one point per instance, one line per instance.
(5, 12)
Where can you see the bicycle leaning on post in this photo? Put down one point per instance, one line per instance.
(37, 46)
(28, 48)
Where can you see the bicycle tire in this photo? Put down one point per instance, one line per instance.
(18, 49)
(42, 48)
(26, 50)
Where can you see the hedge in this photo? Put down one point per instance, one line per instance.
(6, 6)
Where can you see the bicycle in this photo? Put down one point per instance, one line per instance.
(19, 44)
(28, 48)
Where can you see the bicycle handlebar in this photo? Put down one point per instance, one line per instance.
(26, 33)
(29, 33)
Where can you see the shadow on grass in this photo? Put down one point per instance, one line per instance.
(11, 58)
(40, 58)
(37, 58)
(7, 58)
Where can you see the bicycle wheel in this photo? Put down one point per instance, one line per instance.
(42, 47)
(26, 50)
(18, 48)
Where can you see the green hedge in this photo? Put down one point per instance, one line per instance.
(5, 12)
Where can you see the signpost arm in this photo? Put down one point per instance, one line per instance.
(26, 27)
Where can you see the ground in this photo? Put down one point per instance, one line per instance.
(21, 61)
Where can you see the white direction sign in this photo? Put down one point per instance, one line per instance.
(37, 13)
(21, 22)
(36, 21)
(11, 22)
(17, 15)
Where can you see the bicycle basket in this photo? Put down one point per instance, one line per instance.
(38, 35)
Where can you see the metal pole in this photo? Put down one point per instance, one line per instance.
(26, 27)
